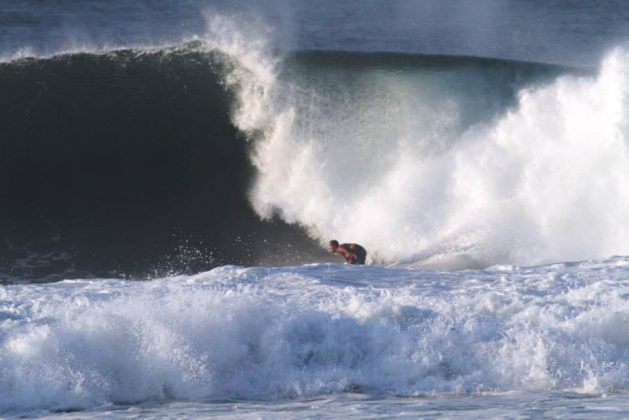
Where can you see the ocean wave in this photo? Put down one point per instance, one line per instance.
(453, 162)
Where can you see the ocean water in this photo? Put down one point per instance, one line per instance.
(170, 173)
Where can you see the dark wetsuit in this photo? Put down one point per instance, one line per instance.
(357, 250)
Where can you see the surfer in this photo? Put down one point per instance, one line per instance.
(353, 253)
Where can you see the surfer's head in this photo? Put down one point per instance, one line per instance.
(333, 245)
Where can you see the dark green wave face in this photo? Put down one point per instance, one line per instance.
(124, 126)
(128, 162)
(125, 163)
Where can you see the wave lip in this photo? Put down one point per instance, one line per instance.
(271, 333)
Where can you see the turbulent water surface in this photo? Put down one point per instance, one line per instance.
(318, 338)
(171, 171)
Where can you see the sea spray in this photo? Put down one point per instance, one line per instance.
(440, 167)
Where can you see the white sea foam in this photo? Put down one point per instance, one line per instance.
(277, 333)
(386, 159)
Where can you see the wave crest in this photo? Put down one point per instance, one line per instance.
(460, 163)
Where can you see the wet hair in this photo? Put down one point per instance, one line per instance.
(334, 243)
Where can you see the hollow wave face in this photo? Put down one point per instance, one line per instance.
(127, 163)
(451, 162)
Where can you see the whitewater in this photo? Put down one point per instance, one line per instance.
(423, 173)
(162, 246)
(316, 332)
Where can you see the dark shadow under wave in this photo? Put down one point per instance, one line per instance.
(127, 163)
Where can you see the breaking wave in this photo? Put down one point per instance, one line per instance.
(447, 161)
(113, 160)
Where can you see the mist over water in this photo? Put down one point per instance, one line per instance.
(442, 163)
(576, 33)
